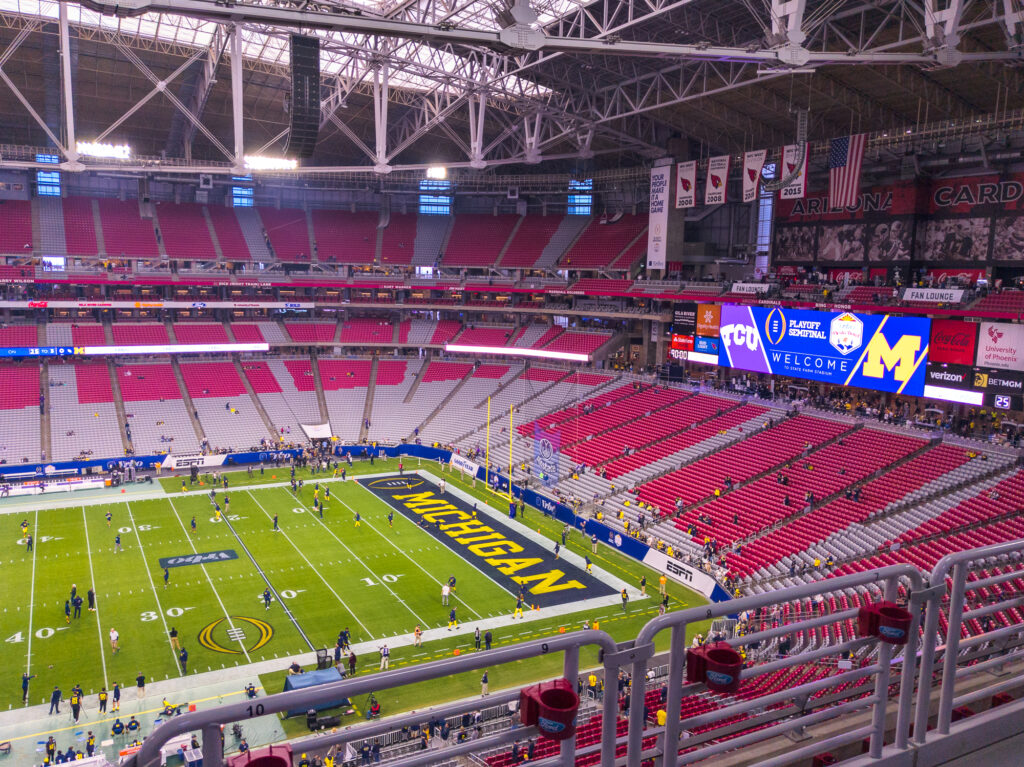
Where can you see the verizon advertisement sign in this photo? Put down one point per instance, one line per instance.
(1001, 346)
(953, 341)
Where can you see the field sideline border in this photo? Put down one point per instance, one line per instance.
(174, 686)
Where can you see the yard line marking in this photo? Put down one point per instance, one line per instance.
(270, 585)
(398, 548)
(371, 572)
(191, 543)
(92, 578)
(31, 597)
(152, 585)
(311, 567)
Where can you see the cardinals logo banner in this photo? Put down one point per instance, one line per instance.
(752, 164)
(718, 175)
(794, 160)
(686, 184)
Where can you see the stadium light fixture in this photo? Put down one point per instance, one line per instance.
(258, 162)
(103, 150)
(437, 172)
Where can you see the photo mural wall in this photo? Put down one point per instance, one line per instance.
(974, 221)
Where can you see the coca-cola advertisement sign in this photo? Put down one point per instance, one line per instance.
(953, 341)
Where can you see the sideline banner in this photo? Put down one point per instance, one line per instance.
(698, 580)
(189, 460)
(464, 465)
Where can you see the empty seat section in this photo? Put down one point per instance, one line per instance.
(229, 233)
(79, 227)
(468, 408)
(345, 383)
(226, 411)
(288, 233)
(345, 238)
(124, 231)
(445, 331)
(19, 335)
(785, 441)
(88, 335)
(312, 332)
(185, 231)
(15, 226)
(529, 241)
(600, 244)
(281, 407)
(399, 240)
(478, 240)
(578, 343)
(363, 330)
(19, 413)
(83, 418)
(139, 334)
(155, 410)
(200, 333)
(485, 336)
(247, 334)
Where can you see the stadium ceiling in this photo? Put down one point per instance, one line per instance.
(194, 85)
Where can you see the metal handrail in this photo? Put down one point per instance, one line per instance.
(960, 565)
(677, 623)
(209, 721)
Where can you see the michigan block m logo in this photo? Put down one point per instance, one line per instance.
(900, 359)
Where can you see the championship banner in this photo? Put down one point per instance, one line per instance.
(546, 446)
(753, 162)
(718, 175)
(686, 184)
(793, 159)
(657, 220)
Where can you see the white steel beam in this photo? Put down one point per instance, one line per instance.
(67, 90)
(237, 90)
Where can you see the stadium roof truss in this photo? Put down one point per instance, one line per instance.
(509, 84)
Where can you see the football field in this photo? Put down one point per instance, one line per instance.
(379, 579)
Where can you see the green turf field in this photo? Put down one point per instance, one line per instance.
(329, 575)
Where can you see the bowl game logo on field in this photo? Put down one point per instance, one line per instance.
(214, 634)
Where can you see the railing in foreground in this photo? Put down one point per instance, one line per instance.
(832, 672)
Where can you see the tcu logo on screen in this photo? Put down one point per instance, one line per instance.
(741, 335)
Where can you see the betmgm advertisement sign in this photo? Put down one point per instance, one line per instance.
(870, 351)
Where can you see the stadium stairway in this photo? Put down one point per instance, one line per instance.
(253, 396)
(508, 242)
(213, 236)
(101, 244)
(371, 389)
(189, 404)
(321, 398)
(45, 442)
(410, 397)
(443, 403)
(115, 387)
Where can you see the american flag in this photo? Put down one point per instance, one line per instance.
(844, 160)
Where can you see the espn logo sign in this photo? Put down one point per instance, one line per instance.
(679, 571)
